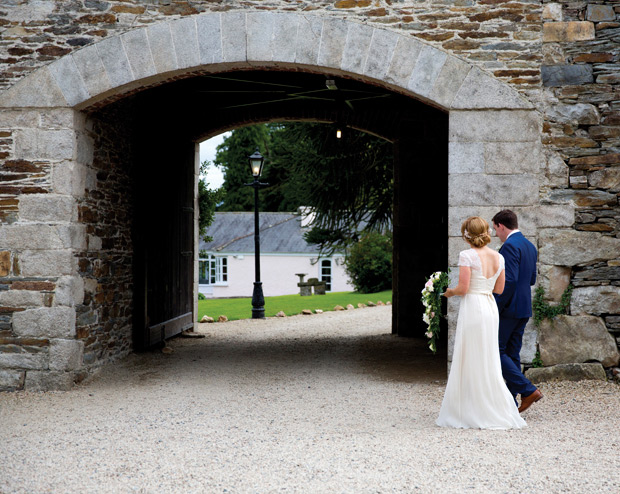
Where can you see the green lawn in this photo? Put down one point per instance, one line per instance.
(241, 308)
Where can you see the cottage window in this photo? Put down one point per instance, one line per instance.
(326, 273)
(212, 270)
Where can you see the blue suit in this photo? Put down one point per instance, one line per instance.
(515, 308)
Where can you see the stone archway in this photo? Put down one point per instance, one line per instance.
(494, 135)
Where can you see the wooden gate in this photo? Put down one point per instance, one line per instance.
(163, 240)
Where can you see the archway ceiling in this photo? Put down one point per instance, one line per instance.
(206, 105)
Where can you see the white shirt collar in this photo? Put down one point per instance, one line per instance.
(513, 232)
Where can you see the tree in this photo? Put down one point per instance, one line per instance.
(347, 182)
(232, 155)
(350, 182)
(207, 202)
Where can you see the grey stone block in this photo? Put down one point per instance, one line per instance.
(575, 339)
(530, 341)
(260, 30)
(37, 144)
(209, 33)
(33, 236)
(12, 380)
(566, 75)
(234, 45)
(21, 298)
(570, 247)
(91, 69)
(65, 355)
(466, 157)
(309, 35)
(556, 171)
(480, 90)
(549, 216)
(356, 48)
(56, 118)
(69, 291)
(185, 40)
(332, 42)
(69, 80)
(26, 93)
(138, 52)
(578, 113)
(426, 71)
(403, 61)
(22, 118)
(72, 236)
(487, 190)
(46, 322)
(47, 208)
(24, 360)
(600, 13)
(115, 61)
(47, 262)
(284, 40)
(595, 300)
(582, 197)
(450, 80)
(162, 47)
(513, 157)
(494, 126)
(49, 380)
(567, 372)
(380, 53)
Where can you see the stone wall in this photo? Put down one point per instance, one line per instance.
(62, 175)
(581, 105)
(104, 315)
(500, 36)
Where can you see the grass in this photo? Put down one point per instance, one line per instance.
(241, 308)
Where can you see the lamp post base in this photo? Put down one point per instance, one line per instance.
(258, 301)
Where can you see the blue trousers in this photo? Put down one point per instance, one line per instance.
(510, 342)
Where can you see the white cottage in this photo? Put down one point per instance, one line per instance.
(226, 265)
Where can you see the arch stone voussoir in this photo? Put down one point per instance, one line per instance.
(225, 41)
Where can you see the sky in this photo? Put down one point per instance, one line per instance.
(214, 177)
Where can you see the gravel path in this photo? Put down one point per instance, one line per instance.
(329, 403)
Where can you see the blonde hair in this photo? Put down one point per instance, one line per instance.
(475, 231)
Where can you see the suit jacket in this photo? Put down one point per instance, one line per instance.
(520, 257)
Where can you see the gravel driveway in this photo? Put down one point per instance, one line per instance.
(328, 403)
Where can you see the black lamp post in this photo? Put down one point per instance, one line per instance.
(258, 300)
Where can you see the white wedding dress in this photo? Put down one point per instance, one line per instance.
(476, 395)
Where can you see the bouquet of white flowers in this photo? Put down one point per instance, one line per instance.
(431, 298)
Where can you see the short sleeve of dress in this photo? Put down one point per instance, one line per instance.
(502, 264)
(465, 259)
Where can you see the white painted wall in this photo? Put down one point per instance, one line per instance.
(277, 275)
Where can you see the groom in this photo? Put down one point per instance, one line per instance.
(515, 304)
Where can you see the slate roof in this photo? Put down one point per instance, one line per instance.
(279, 233)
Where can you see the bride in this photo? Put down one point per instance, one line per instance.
(476, 395)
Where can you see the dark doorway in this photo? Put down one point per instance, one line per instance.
(168, 121)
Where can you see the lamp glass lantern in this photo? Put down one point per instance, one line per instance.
(256, 163)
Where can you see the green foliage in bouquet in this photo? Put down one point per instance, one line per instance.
(431, 298)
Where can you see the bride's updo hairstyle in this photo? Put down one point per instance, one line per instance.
(475, 231)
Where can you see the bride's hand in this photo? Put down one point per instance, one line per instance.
(448, 293)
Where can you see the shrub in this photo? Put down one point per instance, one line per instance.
(369, 263)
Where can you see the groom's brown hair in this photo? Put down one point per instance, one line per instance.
(507, 218)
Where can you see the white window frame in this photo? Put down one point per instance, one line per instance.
(217, 270)
(328, 284)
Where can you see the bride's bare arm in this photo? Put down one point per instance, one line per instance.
(500, 282)
(463, 286)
